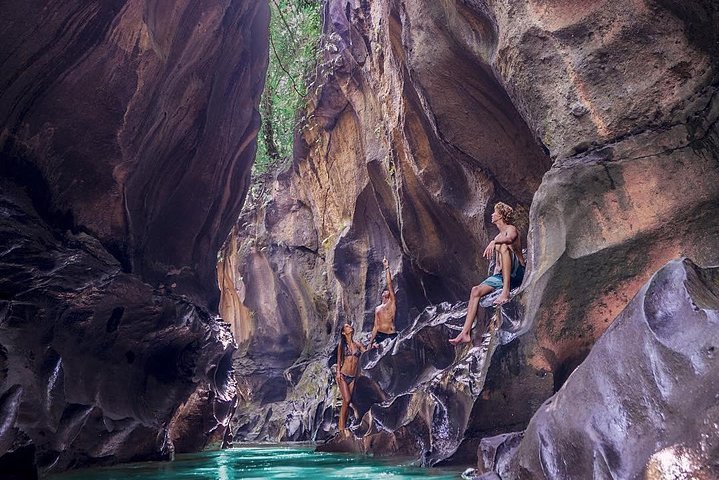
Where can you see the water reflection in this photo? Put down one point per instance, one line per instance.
(262, 463)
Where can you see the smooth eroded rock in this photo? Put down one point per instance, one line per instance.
(643, 403)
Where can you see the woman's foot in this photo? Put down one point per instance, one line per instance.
(463, 337)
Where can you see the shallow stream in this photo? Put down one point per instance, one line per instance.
(263, 462)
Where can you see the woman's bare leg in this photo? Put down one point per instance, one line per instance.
(354, 407)
(478, 291)
(346, 397)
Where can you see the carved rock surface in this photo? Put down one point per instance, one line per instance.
(426, 390)
(633, 183)
(386, 166)
(94, 362)
(127, 133)
(422, 397)
(643, 403)
(122, 107)
(599, 116)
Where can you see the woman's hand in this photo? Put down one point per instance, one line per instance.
(337, 377)
(489, 251)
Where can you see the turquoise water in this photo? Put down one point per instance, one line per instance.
(262, 462)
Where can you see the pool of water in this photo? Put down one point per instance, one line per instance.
(263, 462)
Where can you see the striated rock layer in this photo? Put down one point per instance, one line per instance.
(140, 117)
(599, 116)
(384, 167)
(127, 133)
(629, 412)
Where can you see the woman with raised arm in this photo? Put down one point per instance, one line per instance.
(348, 353)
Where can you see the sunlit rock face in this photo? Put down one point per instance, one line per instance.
(126, 133)
(600, 115)
(624, 95)
(643, 403)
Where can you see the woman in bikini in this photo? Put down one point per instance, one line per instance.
(348, 353)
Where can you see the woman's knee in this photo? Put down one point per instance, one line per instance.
(476, 291)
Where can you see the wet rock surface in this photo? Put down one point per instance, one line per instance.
(643, 403)
(429, 390)
(94, 362)
(123, 167)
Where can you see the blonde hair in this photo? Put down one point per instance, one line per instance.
(504, 210)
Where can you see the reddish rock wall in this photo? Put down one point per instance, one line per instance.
(601, 115)
(625, 98)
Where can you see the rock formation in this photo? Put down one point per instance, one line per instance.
(598, 117)
(629, 412)
(126, 136)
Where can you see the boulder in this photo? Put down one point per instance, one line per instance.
(643, 403)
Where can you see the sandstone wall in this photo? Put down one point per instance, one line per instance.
(601, 115)
(127, 133)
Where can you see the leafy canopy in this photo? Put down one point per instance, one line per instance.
(295, 29)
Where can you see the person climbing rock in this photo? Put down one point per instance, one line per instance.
(508, 272)
(385, 312)
(348, 353)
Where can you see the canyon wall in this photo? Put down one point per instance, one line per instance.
(127, 132)
(598, 118)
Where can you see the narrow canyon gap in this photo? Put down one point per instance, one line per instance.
(127, 135)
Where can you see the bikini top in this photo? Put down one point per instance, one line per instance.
(348, 353)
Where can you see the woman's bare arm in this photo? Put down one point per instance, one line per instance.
(340, 358)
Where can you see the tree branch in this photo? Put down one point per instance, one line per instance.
(279, 61)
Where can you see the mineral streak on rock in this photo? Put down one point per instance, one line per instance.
(127, 131)
(643, 403)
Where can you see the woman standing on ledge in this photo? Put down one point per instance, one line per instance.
(348, 353)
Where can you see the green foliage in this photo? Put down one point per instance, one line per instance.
(295, 29)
